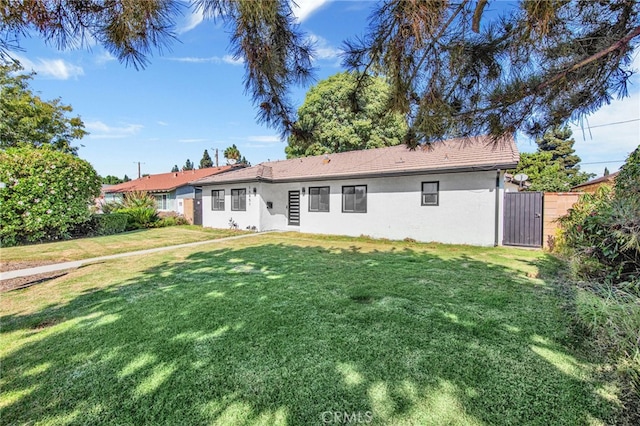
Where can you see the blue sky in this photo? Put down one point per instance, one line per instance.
(191, 97)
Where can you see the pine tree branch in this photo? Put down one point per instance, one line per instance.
(616, 46)
(477, 14)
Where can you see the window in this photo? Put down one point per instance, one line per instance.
(430, 195)
(161, 201)
(354, 199)
(319, 199)
(217, 199)
(239, 199)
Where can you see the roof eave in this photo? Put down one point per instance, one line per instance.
(395, 173)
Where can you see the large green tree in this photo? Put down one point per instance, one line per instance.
(188, 165)
(206, 161)
(111, 180)
(331, 119)
(26, 119)
(554, 167)
(232, 154)
(455, 68)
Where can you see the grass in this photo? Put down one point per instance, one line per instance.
(294, 329)
(85, 248)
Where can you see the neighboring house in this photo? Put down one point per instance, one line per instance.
(451, 192)
(169, 189)
(100, 200)
(594, 184)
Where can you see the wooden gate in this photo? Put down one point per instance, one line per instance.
(522, 219)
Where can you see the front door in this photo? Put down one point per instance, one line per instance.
(197, 207)
(294, 208)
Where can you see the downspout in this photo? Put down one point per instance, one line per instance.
(496, 243)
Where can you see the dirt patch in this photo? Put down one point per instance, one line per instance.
(24, 282)
(46, 323)
(17, 264)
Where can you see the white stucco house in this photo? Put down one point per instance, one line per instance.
(450, 192)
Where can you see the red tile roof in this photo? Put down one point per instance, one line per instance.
(477, 153)
(165, 182)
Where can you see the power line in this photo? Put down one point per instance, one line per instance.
(612, 124)
(605, 162)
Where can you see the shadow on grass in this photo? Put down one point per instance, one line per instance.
(278, 334)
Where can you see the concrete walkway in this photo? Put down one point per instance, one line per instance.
(77, 263)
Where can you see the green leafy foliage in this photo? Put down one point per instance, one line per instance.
(140, 217)
(111, 180)
(47, 194)
(138, 206)
(170, 221)
(26, 119)
(188, 165)
(601, 238)
(109, 224)
(628, 180)
(602, 231)
(554, 167)
(138, 199)
(336, 118)
(232, 154)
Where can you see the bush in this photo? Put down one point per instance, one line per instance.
(47, 194)
(601, 234)
(111, 207)
(112, 223)
(138, 199)
(601, 238)
(170, 221)
(139, 217)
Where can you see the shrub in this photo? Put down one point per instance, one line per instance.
(47, 194)
(170, 221)
(138, 199)
(601, 238)
(112, 223)
(111, 207)
(139, 217)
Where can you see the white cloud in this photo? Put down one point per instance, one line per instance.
(231, 60)
(322, 49)
(162, 123)
(53, 68)
(100, 130)
(194, 140)
(302, 9)
(192, 20)
(266, 138)
(227, 59)
(104, 57)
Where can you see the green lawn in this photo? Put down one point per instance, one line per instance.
(85, 248)
(287, 329)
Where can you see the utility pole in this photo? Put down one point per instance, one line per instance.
(216, 157)
(137, 162)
